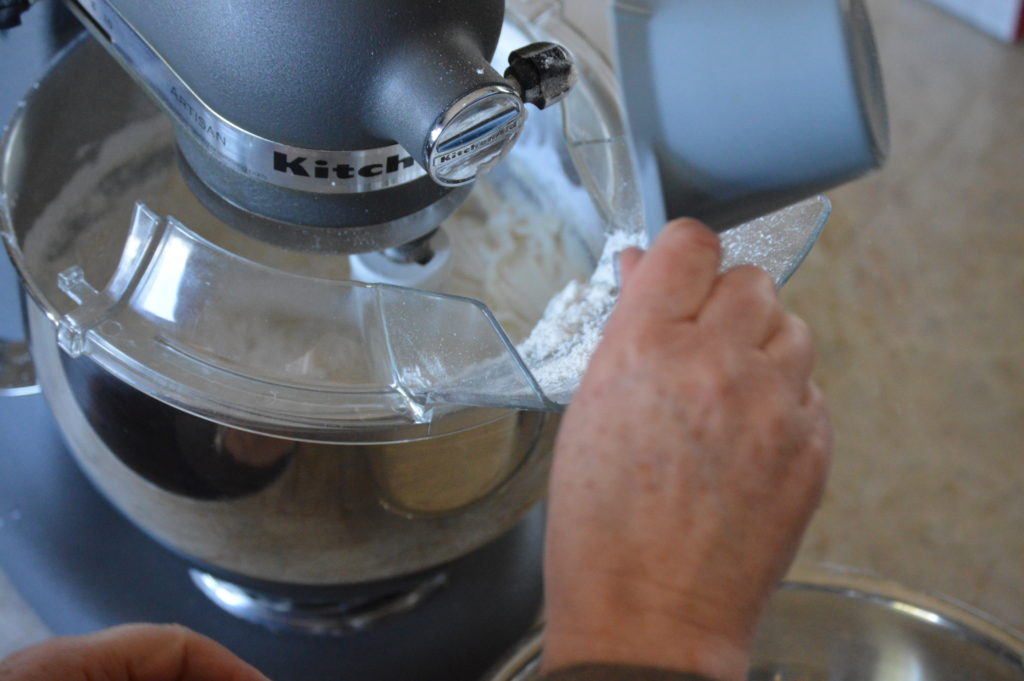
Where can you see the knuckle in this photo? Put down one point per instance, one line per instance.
(692, 234)
(801, 330)
(713, 377)
(793, 344)
(760, 285)
(629, 345)
(644, 339)
(777, 428)
(818, 444)
(751, 286)
(797, 337)
(755, 276)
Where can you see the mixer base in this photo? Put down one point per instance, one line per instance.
(330, 618)
(82, 567)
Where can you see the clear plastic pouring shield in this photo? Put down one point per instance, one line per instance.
(236, 341)
(233, 340)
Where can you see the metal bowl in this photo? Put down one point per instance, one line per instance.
(838, 625)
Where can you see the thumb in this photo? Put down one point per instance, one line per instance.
(139, 652)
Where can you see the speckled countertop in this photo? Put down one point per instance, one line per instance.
(915, 293)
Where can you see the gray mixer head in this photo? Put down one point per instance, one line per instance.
(358, 125)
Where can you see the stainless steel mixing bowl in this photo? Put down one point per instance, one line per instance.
(826, 625)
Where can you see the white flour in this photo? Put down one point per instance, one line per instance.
(560, 346)
(529, 252)
(513, 255)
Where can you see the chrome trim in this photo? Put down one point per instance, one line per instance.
(17, 372)
(468, 140)
(325, 619)
(308, 170)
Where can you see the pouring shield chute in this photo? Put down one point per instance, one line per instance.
(205, 330)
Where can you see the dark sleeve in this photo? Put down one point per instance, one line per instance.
(611, 672)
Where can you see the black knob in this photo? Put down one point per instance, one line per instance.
(545, 72)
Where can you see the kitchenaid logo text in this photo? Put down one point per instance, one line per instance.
(507, 131)
(302, 166)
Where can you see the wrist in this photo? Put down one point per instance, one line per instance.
(608, 672)
(650, 640)
(616, 613)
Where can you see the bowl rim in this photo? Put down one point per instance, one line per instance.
(978, 628)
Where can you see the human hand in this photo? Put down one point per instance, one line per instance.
(129, 653)
(686, 470)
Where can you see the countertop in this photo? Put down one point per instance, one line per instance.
(915, 295)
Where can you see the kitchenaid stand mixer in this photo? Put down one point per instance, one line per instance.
(316, 485)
